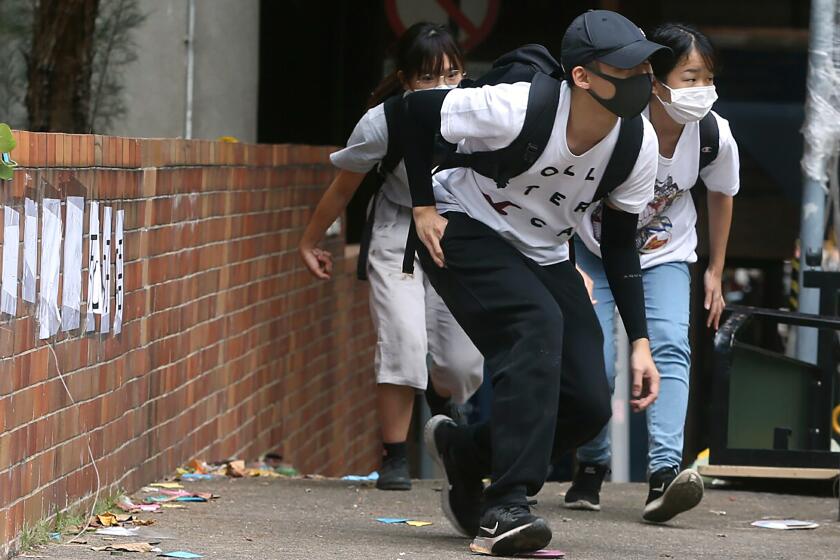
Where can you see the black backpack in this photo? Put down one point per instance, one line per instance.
(368, 191)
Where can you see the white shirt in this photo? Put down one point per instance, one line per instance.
(538, 211)
(666, 230)
(366, 147)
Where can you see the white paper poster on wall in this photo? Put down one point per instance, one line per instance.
(49, 316)
(120, 263)
(71, 294)
(11, 246)
(106, 270)
(94, 295)
(30, 249)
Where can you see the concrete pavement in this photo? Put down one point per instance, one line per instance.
(317, 519)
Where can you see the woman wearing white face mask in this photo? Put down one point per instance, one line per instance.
(409, 317)
(683, 94)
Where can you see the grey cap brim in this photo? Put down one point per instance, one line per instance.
(633, 54)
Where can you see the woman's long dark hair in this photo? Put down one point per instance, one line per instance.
(681, 39)
(420, 50)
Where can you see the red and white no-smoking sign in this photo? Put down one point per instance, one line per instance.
(475, 18)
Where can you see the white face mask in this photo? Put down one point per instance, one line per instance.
(441, 86)
(689, 104)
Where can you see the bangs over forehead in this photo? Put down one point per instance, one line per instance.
(425, 54)
(707, 60)
(682, 40)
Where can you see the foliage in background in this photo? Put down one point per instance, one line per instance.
(16, 30)
(114, 50)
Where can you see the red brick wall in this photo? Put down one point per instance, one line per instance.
(229, 348)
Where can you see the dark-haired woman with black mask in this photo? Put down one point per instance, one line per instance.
(683, 94)
(410, 318)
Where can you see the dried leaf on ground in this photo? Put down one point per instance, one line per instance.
(107, 519)
(236, 469)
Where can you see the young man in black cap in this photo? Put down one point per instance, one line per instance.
(498, 256)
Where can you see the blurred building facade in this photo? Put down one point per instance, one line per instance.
(224, 73)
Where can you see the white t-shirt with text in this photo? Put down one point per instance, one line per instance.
(539, 210)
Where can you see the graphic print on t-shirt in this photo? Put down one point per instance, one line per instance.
(654, 230)
(672, 237)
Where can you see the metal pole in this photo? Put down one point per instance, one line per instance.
(190, 41)
(814, 191)
(620, 423)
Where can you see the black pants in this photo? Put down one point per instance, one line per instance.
(543, 344)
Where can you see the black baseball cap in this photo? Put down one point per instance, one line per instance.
(607, 37)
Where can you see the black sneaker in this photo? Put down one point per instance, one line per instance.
(458, 412)
(462, 492)
(394, 475)
(509, 530)
(586, 487)
(671, 494)
(445, 406)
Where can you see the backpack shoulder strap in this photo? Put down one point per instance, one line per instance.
(709, 140)
(623, 158)
(393, 154)
(393, 117)
(517, 157)
(540, 114)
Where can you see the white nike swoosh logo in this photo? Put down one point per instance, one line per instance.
(660, 489)
(493, 530)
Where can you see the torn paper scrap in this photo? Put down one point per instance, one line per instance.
(413, 523)
(784, 524)
(196, 476)
(11, 246)
(94, 293)
(543, 553)
(30, 249)
(105, 324)
(72, 288)
(372, 477)
(478, 546)
(126, 504)
(118, 532)
(391, 520)
(180, 554)
(119, 271)
(49, 316)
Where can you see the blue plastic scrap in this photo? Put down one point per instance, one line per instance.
(372, 477)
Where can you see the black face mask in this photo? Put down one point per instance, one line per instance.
(631, 94)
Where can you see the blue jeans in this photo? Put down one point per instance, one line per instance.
(667, 290)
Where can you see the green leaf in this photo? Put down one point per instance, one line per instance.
(7, 141)
(6, 172)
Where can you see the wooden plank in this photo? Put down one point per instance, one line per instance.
(734, 471)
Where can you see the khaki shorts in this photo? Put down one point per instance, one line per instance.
(411, 319)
